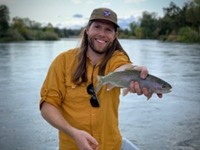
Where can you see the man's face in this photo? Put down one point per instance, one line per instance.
(101, 35)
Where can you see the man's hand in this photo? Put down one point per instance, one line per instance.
(85, 141)
(135, 87)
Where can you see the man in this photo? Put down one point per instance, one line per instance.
(87, 120)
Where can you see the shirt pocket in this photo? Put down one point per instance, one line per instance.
(75, 93)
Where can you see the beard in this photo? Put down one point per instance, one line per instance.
(100, 52)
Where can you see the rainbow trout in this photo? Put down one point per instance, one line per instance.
(123, 78)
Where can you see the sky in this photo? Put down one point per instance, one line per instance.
(75, 13)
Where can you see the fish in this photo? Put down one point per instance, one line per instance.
(123, 78)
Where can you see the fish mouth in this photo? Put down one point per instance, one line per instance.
(167, 91)
(163, 91)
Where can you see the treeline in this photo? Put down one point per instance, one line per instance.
(21, 29)
(177, 24)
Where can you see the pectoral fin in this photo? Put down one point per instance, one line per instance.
(110, 86)
(125, 91)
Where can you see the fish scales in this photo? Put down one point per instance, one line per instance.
(123, 78)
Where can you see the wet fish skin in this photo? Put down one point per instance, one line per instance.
(123, 78)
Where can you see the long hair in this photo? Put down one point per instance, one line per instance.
(80, 72)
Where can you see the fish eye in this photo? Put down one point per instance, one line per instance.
(164, 86)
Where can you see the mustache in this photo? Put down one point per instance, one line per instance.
(104, 50)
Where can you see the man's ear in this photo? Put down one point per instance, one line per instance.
(86, 30)
(116, 34)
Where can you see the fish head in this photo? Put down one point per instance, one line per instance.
(162, 87)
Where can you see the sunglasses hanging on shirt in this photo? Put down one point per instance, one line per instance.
(90, 90)
(93, 100)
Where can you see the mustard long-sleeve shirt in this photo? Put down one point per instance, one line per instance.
(74, 102)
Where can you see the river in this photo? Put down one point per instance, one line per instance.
(170, 123)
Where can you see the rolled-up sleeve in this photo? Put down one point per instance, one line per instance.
(53, 88)
(118, 59)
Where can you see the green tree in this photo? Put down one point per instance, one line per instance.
(149, 23)
(65, 32)
(139, 33)
(172, 17)
(124, 33)
(32, 30)
(133, 26)
(49, 28)
(187, 34)
(59, 32)
(4, 19)
(20, 25)
(193, 14)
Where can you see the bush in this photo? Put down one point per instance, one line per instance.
(139, 32)
(187, 34)
(28, 34)
(12, 35)
(172, 38)
(46, 36)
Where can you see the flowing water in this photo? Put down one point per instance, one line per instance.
(170, 123)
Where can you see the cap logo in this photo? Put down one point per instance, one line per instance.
(106, 13)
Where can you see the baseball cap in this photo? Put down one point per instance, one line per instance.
(104, 14)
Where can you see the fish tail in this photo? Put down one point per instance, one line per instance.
(100, 83)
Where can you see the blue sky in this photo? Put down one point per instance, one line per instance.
(75, 13)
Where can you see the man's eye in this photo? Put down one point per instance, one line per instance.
(96, 27)
(109, 30)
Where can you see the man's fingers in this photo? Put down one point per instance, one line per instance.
(85, 141)
(93, 142)
(137, 88)
(144, 71)
(147, 93)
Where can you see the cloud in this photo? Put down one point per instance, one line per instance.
(73, 23)
(78, 21)
(76, 1)
(106, 4)
(77, 16)
(134, 1)
(80, 1)
(124, 22)
(90, 1)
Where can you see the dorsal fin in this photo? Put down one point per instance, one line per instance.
(123, 67)
(130, 68)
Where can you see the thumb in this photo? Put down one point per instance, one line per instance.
(144, 71)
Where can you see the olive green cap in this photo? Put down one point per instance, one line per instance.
(104, 14)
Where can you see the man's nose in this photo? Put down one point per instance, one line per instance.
(102, 33)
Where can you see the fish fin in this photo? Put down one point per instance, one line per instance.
(99, 78)
(149, 97)
(124, 67)
(110, 86)
(125, 91)
(130, 68)
(99, 84)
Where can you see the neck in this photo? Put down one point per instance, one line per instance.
(94, 57)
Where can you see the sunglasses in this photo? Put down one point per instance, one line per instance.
(93, 100)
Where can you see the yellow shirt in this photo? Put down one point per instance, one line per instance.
(74, 102)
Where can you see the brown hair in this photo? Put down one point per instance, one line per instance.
(80, 72)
